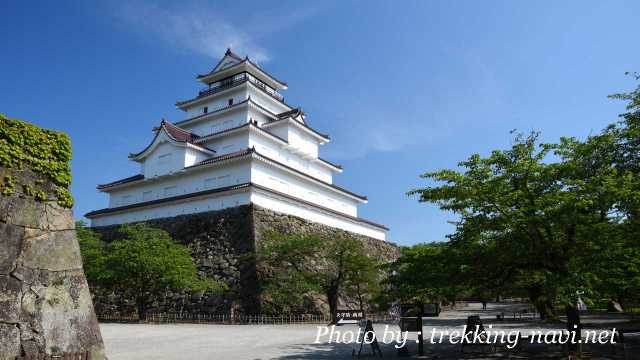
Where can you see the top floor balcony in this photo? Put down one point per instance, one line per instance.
(237, 79)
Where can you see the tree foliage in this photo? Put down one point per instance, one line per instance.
(551, 220)
(145, 261)
(295, 266)
(92, 250)
(426, 273)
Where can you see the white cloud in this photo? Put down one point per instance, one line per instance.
(194, 27)
(434, 119)
(356, 139)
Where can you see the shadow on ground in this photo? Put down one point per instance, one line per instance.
(447, 351)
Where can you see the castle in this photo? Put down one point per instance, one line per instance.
(239, 144)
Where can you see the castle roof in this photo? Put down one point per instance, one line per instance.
(126, 180)
(225, 189)
(241, 154)
(176, 134)
(239, 62)
(252, 151)
(254, 125)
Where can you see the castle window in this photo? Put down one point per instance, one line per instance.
(230, 101)
(164, 159)
(170, 190)
(205, 110)
(126, 199)
(224, 180)
(147, 195)
(209, 183)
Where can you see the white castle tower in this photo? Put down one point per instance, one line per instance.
(239, 144)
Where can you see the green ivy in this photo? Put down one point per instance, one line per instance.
(7, 185)
(46, 152)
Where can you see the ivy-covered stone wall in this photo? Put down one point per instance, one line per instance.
(45, 304)
(223, 246)
(26, 149)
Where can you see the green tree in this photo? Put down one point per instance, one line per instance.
(92, 250)
(147, 261)
(296, 265)
(427, 273)
(552, 220)
(527, 217)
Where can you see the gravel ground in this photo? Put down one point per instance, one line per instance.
(200, 341)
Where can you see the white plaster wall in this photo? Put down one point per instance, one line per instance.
(258, 116)
(203, 204)
(193, 156)
(271, 177)
(280, 130)
(276, 203)
(188, 182)
(229, 143)
(303, 141)
(266, 101)
(273, 149)
(157, 163)
(218, 101)
(219, 123)
(297, 138)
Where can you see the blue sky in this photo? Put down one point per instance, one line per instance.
(402, 87)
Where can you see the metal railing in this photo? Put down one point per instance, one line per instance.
(229, 318)
(67, 356)
(237, 79)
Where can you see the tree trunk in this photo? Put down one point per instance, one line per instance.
(542, 305)
(332, 298)
(142, 308)
(574, 327)
(360, 296)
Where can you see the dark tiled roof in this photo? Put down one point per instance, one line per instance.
(241, 60)
(224, 157)
(212, 92)
(318, 206)
(291, 113)
(330, 163)
(326, 136)
(212, 112)
(204, 138)
(176, 133)
(224, 189)
(204, 162)
(160, 201)
(121, 181)
(233, 55)
(249, 151)
(206, 94)
(253, 124)
(179, 134)
(361, 197)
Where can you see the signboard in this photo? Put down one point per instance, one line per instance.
(349, 316)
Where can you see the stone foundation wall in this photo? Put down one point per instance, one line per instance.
(45, 304)
(221, 243)
(223, 246)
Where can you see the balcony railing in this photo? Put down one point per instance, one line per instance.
(235, 80)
